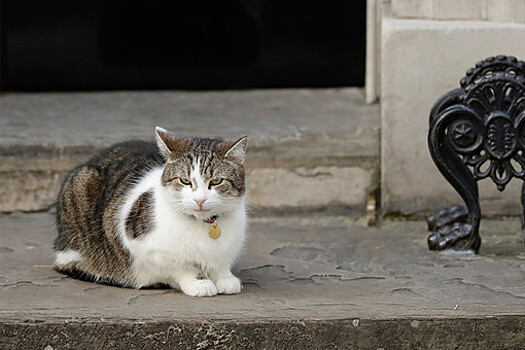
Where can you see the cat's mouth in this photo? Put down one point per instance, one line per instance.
(201, 212)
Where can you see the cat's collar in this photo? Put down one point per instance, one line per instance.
(215, 230)
(211, 219)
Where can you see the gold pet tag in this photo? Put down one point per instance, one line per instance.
(215, 231)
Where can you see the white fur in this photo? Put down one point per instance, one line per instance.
(67, 256)
(179, 250)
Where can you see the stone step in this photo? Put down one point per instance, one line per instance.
(484, 333)
(322, 140)
(310, 282)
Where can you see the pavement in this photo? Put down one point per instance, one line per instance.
(310, 282)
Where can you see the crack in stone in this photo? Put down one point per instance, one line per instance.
(302, 280)
(481, 285)
(316, 174)
(454, 266)
(89, 289)
(251, 283)
(406, 292)
(132, 300)
(303, 253)
(255, 275)
(264, 267)
(339, 278)
(25, 283)
(266, 270)
(356, 266)
(58, 279)
(364, 278)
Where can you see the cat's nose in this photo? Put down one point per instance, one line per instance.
(200, 202)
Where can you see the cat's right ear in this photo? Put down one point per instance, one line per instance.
(162, 137)
(170, 145)
(166, 141)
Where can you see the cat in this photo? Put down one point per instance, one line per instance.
(141, 214)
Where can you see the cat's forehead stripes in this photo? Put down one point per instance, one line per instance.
(196, 175)
(197, 144)
(201, 149)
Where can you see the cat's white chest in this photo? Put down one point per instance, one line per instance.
(181, 243)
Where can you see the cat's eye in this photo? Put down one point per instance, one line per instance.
(215, 182)
(185, 182)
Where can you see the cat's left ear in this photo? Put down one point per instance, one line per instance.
(237, 150)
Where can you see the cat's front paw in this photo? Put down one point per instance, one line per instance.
(230, 285)
(200, 288)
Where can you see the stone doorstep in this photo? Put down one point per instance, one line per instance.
(338, 171)
(414, 333)
(310, 282)
(325, 140)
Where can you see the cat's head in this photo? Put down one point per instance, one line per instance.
(203, 177)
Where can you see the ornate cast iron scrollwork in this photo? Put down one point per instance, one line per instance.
(477, 132)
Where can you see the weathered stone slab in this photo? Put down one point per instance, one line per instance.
(309, 283)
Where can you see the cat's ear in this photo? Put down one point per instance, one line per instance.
(168, 143)
(163, 136)
(237, 150)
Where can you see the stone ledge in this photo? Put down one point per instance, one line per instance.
(277, 173)
(398, 333)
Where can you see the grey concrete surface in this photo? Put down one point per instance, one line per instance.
(329, 136)
(423, 60)
(102, 118)
(309, 282)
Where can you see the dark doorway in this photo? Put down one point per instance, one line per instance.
(104, 45)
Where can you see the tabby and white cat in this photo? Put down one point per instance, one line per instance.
(140, 214)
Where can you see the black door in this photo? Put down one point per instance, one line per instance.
(154, 44)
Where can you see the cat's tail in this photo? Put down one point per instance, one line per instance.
(67, 262)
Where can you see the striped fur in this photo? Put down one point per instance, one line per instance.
(140, 220)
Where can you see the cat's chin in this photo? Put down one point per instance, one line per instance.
(202, 214)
